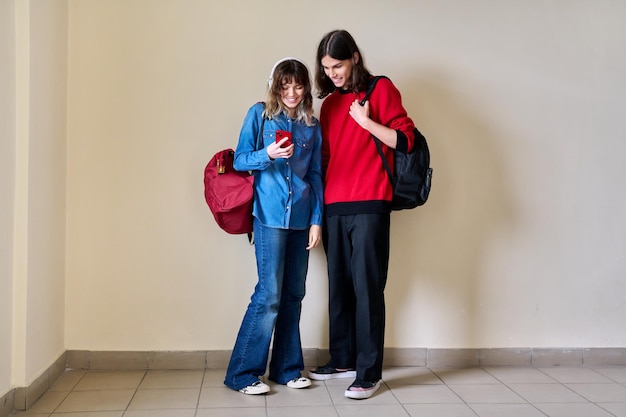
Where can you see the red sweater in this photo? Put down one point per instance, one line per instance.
(355, 179)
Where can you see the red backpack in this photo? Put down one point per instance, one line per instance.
(229, 193)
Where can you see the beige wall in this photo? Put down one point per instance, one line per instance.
(521, 244)
(46, 184)
(7, 187)
(34, 48)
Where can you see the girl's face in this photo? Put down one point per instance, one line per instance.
(339, 71)
(291, 94)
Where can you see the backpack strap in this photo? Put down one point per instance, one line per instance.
(368, 92)
(385, 163)
(370, 87)
(258, 146)
(259, 139)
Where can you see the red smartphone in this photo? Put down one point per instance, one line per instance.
(281, 134)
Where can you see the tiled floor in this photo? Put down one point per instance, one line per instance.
(467, 392)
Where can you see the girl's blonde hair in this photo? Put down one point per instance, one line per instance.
(289, 71)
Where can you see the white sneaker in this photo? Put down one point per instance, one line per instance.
(299, 382)
(256, 388)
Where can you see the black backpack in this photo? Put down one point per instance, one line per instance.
(412, 179)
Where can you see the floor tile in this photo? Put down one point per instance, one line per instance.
(154, 399)
(48, 402)
(610, 393)
(214, 378)
(617, 374)
(575, 375)
(494, 391)
(487, 394)
(160, 413)
(425, 394)
(316, 394)
(365, 409)
(520, 375)
(410, 376)
(305, 411)
(67, 381)
(90, 414)
(617, 409)
(546, 393)
(439, 410)
(572, 410)
(110, 380)
(465, 376)
(506, 410)
(172, 379)
(219, 397)
(112, 400)
(232, 412)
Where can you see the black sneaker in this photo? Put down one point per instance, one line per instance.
(360, 390)
(323, 373)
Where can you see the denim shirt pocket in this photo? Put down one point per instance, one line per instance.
(269, 137)
(303, 144)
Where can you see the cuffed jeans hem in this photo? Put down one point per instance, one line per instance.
(284, 382)
(234, 387)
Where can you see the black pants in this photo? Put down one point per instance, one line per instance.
(357, 251)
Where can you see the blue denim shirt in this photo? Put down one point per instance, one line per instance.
(288, 193)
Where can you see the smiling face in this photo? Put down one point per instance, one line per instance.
(291, 95)
(339, 71)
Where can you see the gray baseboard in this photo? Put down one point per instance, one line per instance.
(7, 404)
(434, 358)
(22, 398)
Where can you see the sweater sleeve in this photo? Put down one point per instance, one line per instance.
(387, 109)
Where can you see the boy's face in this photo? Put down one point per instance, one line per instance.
(339, 71)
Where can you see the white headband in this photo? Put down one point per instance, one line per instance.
(288, 58)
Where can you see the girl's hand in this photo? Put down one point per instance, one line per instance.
(315, 237)
(274, 150)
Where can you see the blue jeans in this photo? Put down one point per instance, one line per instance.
(282, 263)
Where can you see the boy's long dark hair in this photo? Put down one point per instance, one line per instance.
(340, 45)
